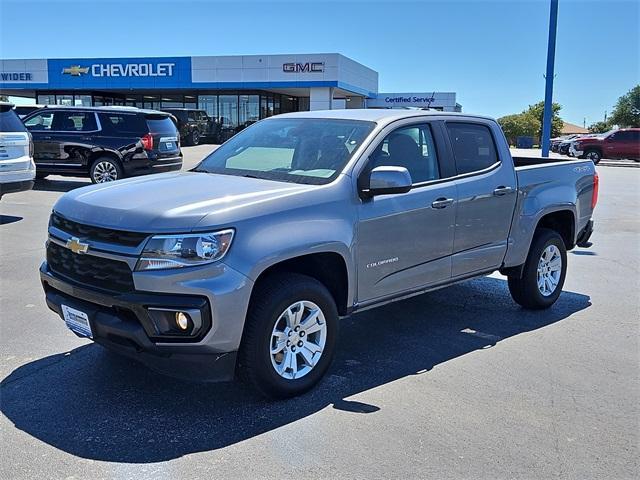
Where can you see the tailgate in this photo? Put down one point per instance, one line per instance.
(14, 151)
(166, 139)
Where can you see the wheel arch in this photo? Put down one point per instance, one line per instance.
(328, 267)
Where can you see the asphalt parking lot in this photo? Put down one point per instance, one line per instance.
(458, 383)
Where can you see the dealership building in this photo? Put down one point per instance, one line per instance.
(235, 89)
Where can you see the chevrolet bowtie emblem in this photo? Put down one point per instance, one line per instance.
(75, 70)
(76, 246)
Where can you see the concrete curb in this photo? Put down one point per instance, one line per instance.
(609, 163)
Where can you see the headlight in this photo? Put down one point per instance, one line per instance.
(177, 251)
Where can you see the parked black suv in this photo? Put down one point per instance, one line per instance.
(105, 143)
(193, 125)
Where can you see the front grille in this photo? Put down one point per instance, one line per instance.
(98, 272)
(88, 232)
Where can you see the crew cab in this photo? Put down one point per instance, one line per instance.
(246, 263)
(103, 143)
(622, 143)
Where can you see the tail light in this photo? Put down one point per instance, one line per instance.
(147, 142)
(596, 187)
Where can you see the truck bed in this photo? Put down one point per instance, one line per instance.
(528, 161)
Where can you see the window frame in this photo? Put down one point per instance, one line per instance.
(489, 168)
(446, 165)
(57, 111)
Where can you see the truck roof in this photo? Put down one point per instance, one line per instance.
(384, 115)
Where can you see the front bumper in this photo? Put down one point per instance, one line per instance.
(120, 322)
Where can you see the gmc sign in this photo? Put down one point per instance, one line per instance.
(313, 67)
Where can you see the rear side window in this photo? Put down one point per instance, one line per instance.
(161, 124)
(74, 122)
(473, 146)
(9, 121)
(122, 123)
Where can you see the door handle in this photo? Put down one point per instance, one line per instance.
(46, 137)
(500, 191)
(442, 202)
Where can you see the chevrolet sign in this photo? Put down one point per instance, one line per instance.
(123, 70)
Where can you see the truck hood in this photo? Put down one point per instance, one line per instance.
(173, 202)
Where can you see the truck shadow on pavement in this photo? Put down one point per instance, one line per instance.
(64, 186)
(98, 406)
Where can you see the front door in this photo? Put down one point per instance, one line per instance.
(45, 150)
(405, 240)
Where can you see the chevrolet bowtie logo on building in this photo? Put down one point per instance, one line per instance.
(76, 246)
(75, 70)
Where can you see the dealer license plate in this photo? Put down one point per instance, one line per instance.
(77, 321)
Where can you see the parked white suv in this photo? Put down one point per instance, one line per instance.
(17, 170)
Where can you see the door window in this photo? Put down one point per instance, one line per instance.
(411, 147)
(473, 146)
(74, 122)
(42, 121)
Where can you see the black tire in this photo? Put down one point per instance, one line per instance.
(41, 176)
(104, 164)
(594, 155)
(525, 291)
(194, 137)
(270, 299)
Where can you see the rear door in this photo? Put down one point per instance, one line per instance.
(405, 240)
(165, 135)
(486, 189)
(74, 134)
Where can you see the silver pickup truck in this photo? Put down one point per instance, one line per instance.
(245, 264)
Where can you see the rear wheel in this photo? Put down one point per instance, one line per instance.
(289, 337)
(104, 170)
(593, 155)
(544, 272)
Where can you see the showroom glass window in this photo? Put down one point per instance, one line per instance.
(249, 110)
(46, 100)
(209, 103)
(473, 146)
(228, 105)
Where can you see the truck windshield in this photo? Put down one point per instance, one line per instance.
(300, 150)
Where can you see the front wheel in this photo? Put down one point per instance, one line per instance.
(544, 272)
(194, 137)
(289, 337)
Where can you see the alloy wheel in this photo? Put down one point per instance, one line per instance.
(549, 270)
(105, 172)
(298, 340)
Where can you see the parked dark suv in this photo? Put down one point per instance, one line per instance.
(193, 125)
(104, 143)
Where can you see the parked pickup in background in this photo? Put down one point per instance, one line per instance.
(623, 143)
(245, 264)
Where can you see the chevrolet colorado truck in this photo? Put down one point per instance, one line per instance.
(244, 265)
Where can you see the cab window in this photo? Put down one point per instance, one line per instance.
(411, 147)
(473, 146)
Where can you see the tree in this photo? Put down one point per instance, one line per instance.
(537, 111)
(599, 127)
(519, 125)
(4, 98)
(626, 113)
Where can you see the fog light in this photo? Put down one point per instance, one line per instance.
(182, 320)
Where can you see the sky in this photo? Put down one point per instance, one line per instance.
(491, 53)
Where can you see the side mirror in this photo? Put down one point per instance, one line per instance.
(388, 180)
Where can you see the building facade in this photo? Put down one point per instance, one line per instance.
(235, 90)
